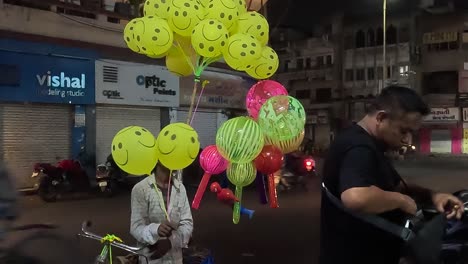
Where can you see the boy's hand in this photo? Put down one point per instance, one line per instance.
(165, 229)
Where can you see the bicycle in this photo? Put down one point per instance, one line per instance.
(109, 241)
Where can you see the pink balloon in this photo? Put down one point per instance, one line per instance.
(211, 161)
(260, 93)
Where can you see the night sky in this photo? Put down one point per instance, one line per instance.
(301, 14)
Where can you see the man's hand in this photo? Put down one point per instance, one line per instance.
(408, 205)
(160, 249)
(448, 204)
(165, 229)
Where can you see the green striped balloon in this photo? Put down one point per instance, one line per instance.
(241, 174)
(282, 117)
(240, 140)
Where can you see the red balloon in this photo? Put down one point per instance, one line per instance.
(270, 160)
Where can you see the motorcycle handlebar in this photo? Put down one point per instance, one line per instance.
(86, 233)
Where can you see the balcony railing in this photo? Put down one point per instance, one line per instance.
(84, 8)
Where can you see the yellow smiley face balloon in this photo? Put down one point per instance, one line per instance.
(134, 150)
(242, 51)
(184, 15)
(132, 34)
(158, 36)
(255, 24)
(266, 66)
(177, 146)
(209, 38)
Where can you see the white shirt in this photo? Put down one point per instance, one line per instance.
(147, 215)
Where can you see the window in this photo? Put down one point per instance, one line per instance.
(389, 72)
(370, 38)
(360, 39)
(329, 60)
(379, 36)
(286, 65)
(349, 41)
(300, 64)
(320, 61)
(360, 75)
(370, 74)
(308, 63)
(303, 94)
(379, 73)
(349, 75)
(323, 95)
(404, 34)
(391, 35)
(404, 70)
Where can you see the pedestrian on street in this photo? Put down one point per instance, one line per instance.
(161, 216)
(357, 172)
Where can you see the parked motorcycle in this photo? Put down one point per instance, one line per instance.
(67, 177)
(297, 169)
(106, 183)
(122, 179)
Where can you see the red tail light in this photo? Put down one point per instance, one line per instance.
(309, 164)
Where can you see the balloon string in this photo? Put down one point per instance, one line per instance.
(204, 83)
(189, 61)
(192, 101)
(168, 198)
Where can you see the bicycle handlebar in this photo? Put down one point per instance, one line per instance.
(86, 233)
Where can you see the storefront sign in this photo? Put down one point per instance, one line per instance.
(50, 79)
(222, 91)
(443, 115)
(136, 84)
(439, 37)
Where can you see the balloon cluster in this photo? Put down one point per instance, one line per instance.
(247, 144)
(136, 151)
(194, 33)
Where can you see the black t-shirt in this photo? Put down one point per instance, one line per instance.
(356, 159)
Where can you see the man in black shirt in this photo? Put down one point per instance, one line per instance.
(357, 172)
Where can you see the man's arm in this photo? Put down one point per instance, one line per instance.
(181, 237)
(140, 228)
(443, 202)
(420, 194)
(357, 184)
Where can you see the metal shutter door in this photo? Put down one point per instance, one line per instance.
(205, 123)
(34, 133)
(111, 119)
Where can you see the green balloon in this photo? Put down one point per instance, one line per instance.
(239, 140)
(241, 174)
(282, 117)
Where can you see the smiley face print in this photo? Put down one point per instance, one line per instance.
(158, 37)
(255, 24)
(184, 15)
(266, 66)
(178, 146)
(133, 33)
(134, 150)
(242, 51)
(209, 38)
(225, 11)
